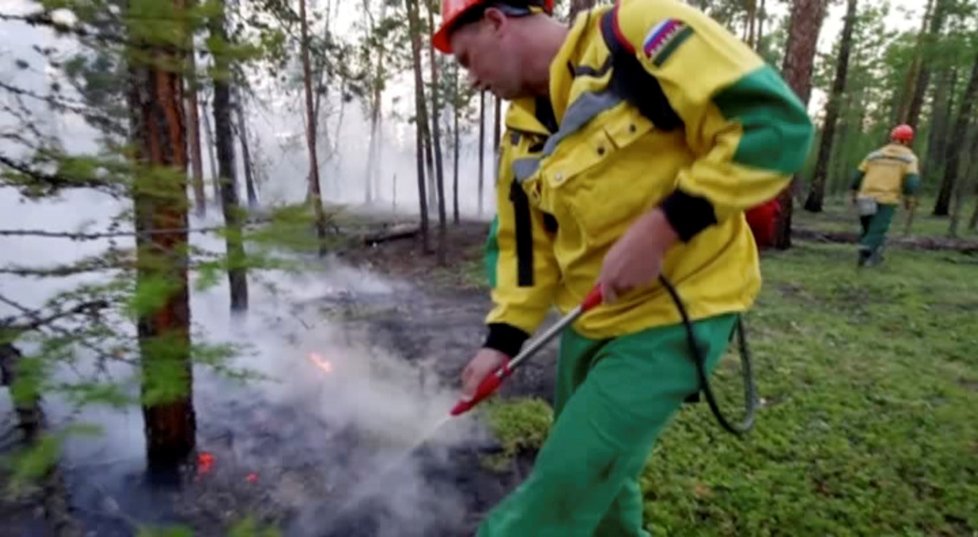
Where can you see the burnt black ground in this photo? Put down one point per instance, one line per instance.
(304, 466)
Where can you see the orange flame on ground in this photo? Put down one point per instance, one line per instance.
(205, 462)
(321, 362)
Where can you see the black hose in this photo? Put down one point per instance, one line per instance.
(750, 393)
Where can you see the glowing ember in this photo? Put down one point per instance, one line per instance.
(321, 362)
(205, 462)
(252, 477)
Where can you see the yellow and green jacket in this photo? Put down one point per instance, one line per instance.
(888, 174)
(742, 134)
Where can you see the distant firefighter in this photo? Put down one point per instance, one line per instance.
(884, 177)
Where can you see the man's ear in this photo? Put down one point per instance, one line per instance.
(495, 18)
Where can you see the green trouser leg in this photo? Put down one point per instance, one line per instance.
(875, 232)
(613, 400)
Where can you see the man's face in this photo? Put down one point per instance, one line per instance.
(487, 50)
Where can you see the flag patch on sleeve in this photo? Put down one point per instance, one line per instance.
(663, 39)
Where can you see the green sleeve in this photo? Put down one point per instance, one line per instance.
(911, 184)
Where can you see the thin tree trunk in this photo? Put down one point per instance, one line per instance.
(377, 84)
(841, 150)
(936, 147)
(314, 190)
(193, 133)
(211, 158)
(436, 142)
(245, 152)
(960, 190)
(923, 76)
(160, 205)
(482, 146)
(973, 221)
(227, 173)
(752, 23)
(419, 118)
(497, 128)
(805, 24)
(816, 194)
(762, 15)
(455, 148)
(913, 73)
(953, 155)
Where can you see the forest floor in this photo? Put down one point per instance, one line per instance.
(868, 381)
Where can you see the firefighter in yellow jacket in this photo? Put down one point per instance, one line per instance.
(884, 178)
(600, 184)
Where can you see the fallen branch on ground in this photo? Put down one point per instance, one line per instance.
(395, 232)
(914, 243)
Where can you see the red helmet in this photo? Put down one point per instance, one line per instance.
(453, 10)
(902, 133)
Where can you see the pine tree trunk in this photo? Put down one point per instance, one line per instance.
(314, 189)
(245, 151)
(805, 24)
(419, 118)
(227, 172)
(762, 15)
(497, 133)
(429, 160)
(936, 146)
(193, 133)
(816, 194)
(913, 73)
(455, 149)
(436, 142)
(160, 203)
(963, 184)
(923, 76)
(482, 146)
(973, 221)
(211, 159)
(752, 23)
(377, 85)
(954, 151)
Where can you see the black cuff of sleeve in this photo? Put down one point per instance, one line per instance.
(687, 214)
(505, 338)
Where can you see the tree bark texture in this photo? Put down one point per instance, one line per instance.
(941, 119)
(160, 203)
(419, 118)
(209, 133)
(436, 143)
(482, 147)
(922, 82)
(799, 56)
(954, 151)
(227, 176)
(193, 133)
(816, 193)
(314, 188)
(455, 148)
(249, 168)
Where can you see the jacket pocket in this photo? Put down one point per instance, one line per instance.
(605, 175)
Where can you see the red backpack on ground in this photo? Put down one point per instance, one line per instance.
(763, 222)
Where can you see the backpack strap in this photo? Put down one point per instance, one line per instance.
(632, 82)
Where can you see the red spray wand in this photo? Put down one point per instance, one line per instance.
(492, 381)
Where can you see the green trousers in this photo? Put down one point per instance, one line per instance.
(613, 400)
(875, 227)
